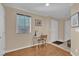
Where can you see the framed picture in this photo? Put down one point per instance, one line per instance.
(75, 20)
(38, 22)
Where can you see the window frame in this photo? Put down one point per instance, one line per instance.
(17, 30)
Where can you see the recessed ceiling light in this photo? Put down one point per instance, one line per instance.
(47, 4)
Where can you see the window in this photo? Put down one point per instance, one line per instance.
(23, 24)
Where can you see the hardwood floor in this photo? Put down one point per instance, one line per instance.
(49, 50)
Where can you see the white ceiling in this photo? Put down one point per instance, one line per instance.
(56, 10)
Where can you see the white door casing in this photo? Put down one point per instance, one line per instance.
(2, 31)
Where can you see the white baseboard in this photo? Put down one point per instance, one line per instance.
(18, 49)
(35, 45)
(58, 46)
(22, 48)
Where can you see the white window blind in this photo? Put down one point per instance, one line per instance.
(23, 24)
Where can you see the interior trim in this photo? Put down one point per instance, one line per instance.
(58, 46)
(35, 45)
(22, 48)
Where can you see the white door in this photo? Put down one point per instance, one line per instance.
(54, 31)
(2, 35)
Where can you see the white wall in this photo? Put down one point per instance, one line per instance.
(2, 33)
(53, 30)
(61, 30)
(67, 29)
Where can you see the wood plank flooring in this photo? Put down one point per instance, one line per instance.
(48, 50)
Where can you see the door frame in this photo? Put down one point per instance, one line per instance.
(2, 31)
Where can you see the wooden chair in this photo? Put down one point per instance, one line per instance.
(39, 39)
(43, 39)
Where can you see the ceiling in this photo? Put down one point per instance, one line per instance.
(55, 10)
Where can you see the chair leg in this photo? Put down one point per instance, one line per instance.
(45, 43)
(42, 42)
(38, 44)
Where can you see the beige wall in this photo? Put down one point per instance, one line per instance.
(74, 34)
(13, 40)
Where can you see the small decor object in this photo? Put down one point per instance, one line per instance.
(38, 22)
(75, 20)
(35, 33)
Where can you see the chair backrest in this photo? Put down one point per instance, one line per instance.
(43, 36)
